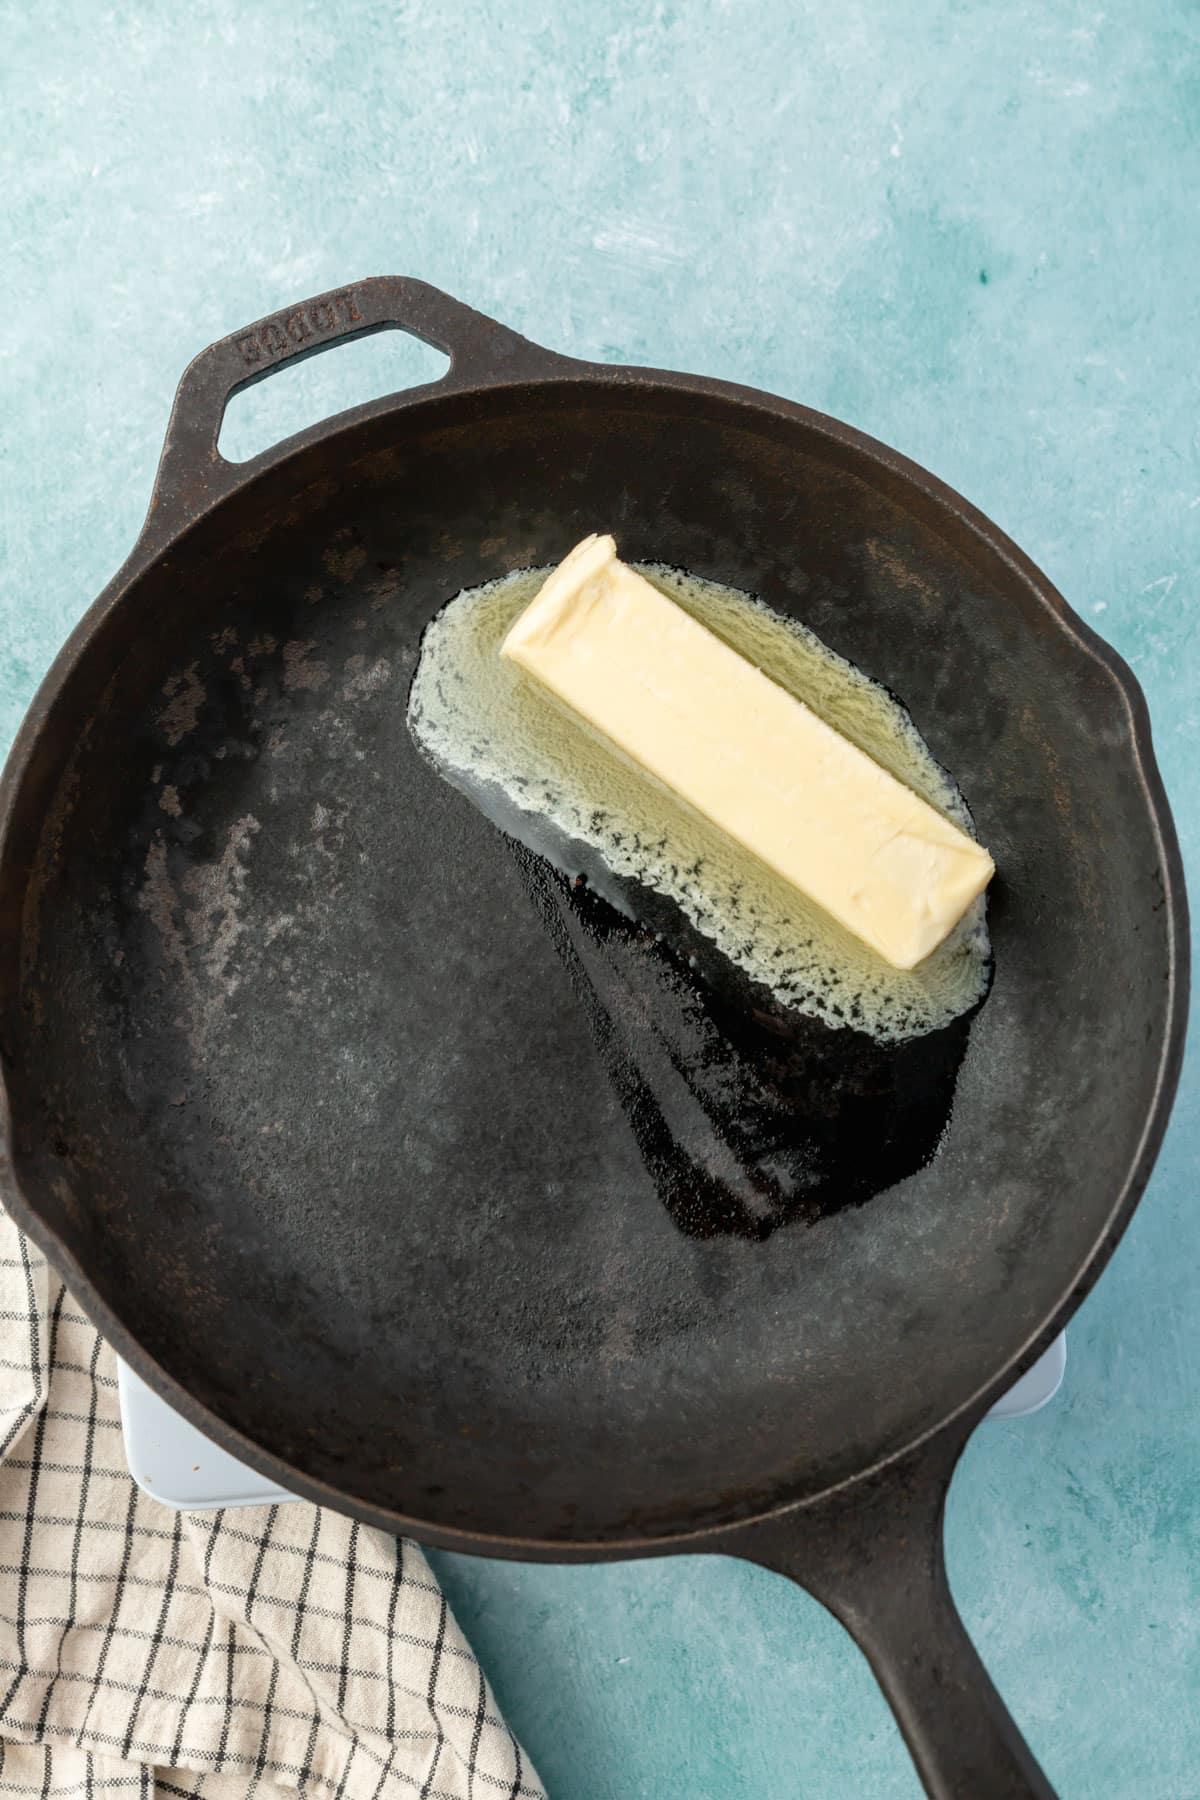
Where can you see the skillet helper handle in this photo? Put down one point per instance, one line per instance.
(874, 1555)
(192, 473)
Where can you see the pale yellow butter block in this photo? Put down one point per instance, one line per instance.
(741, 750)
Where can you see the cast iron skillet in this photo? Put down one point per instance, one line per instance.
(301, 1097)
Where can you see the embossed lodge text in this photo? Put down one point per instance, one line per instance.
(291, 330)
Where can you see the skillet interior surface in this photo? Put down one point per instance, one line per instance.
(298, 1075)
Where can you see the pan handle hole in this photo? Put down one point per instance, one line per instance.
(343, 375)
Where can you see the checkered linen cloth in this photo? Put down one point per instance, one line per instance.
(217, 1655)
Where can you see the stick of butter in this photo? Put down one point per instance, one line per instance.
(741, 750)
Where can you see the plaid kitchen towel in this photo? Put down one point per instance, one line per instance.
(211, 1654)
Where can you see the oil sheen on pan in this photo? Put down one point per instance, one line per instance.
(771, 1067)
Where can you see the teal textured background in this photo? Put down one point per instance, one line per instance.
(970, 229)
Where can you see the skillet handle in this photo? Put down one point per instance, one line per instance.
(192, 473)
(873, 1554)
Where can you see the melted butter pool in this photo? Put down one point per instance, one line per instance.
(570, 796)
